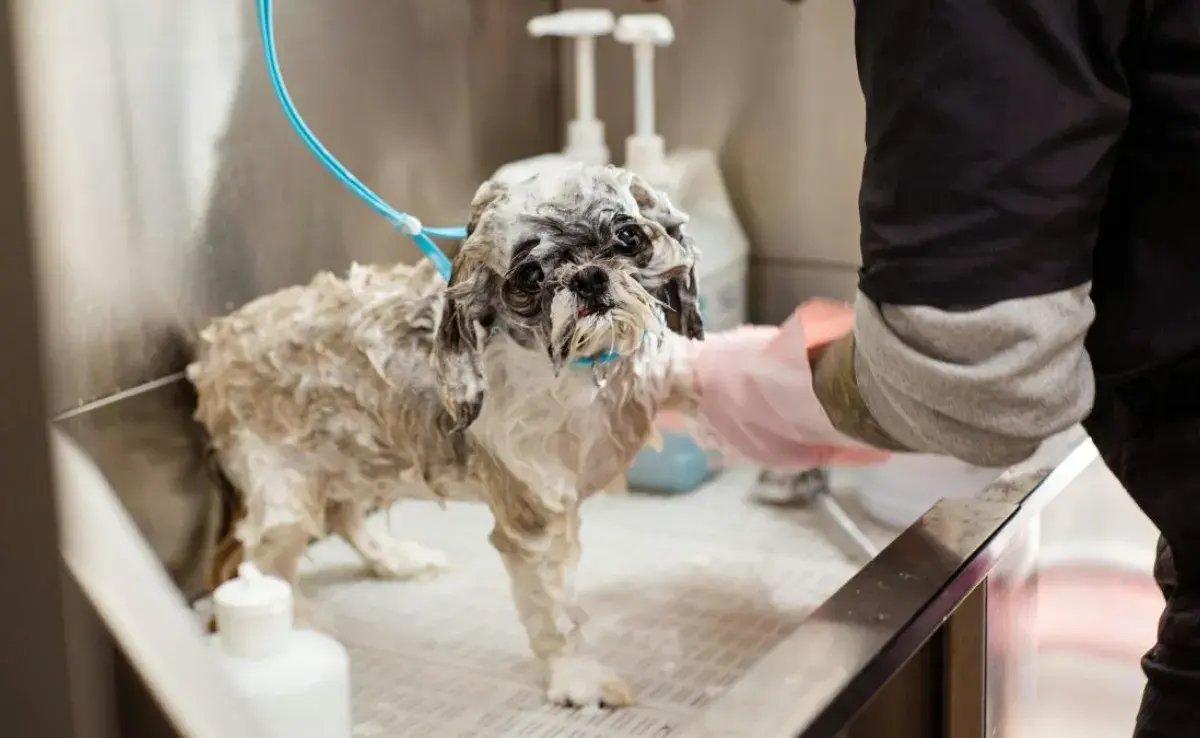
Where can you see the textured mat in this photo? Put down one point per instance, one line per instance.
(684, 594)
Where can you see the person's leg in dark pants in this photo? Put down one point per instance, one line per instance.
(1155, 453)
(1171, 703)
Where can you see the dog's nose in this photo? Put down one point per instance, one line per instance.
(590, 282)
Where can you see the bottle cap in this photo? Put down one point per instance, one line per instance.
(573, 23)
(644, 28)
(254, 613)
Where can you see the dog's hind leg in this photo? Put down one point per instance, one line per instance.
(387, 557)
(276, 518)
(279, 553)
(540, 548)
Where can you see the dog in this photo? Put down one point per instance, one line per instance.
(328, 401)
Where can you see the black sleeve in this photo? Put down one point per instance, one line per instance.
(991, 137)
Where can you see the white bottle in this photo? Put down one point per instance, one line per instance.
(693, 180)
(585, 132)
(297, 682)
(645, 152)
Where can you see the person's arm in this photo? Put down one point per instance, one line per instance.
(991, 139)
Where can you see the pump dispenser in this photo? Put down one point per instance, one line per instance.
(585, 133)
(645, 152)
(297, 682)
(694, 181)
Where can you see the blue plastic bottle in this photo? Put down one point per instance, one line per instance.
(682, 466)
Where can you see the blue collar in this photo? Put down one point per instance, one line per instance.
(602, 358)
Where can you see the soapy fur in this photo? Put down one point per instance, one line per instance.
(327, 401)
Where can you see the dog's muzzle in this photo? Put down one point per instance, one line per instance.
(591, 286)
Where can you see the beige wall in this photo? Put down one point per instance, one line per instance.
(772, 87)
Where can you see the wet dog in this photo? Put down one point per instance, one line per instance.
(529, 382)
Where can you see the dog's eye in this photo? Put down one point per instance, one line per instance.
(529, 278)
(630, 239)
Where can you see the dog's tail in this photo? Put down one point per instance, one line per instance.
(227, 552)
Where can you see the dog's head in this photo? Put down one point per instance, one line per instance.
(574, 260)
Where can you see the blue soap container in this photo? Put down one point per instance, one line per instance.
(682, 466)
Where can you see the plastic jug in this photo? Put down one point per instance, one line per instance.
(297, 682)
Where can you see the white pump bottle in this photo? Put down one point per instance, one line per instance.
(694, 181)
(585, 133)
(645, 152)
(297, 682)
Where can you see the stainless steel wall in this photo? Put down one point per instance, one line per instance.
(168, 187)
(772, 87)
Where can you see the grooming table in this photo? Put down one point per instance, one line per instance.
(684, 594)
(730, 618)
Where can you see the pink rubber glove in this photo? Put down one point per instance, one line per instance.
(756, 396)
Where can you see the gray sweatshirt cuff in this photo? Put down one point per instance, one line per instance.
(986, 386)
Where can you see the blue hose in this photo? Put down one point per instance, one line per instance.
(404, 222)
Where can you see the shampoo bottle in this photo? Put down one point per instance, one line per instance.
(693, 180)
(297, 682)
(585, 132)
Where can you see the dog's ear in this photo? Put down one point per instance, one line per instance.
(487, 195)
(463, 325)
(459, 341)
(653, 203)
(678, 292)
(683, 305)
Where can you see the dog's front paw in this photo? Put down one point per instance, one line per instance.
(403, 560)
(582, 682)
